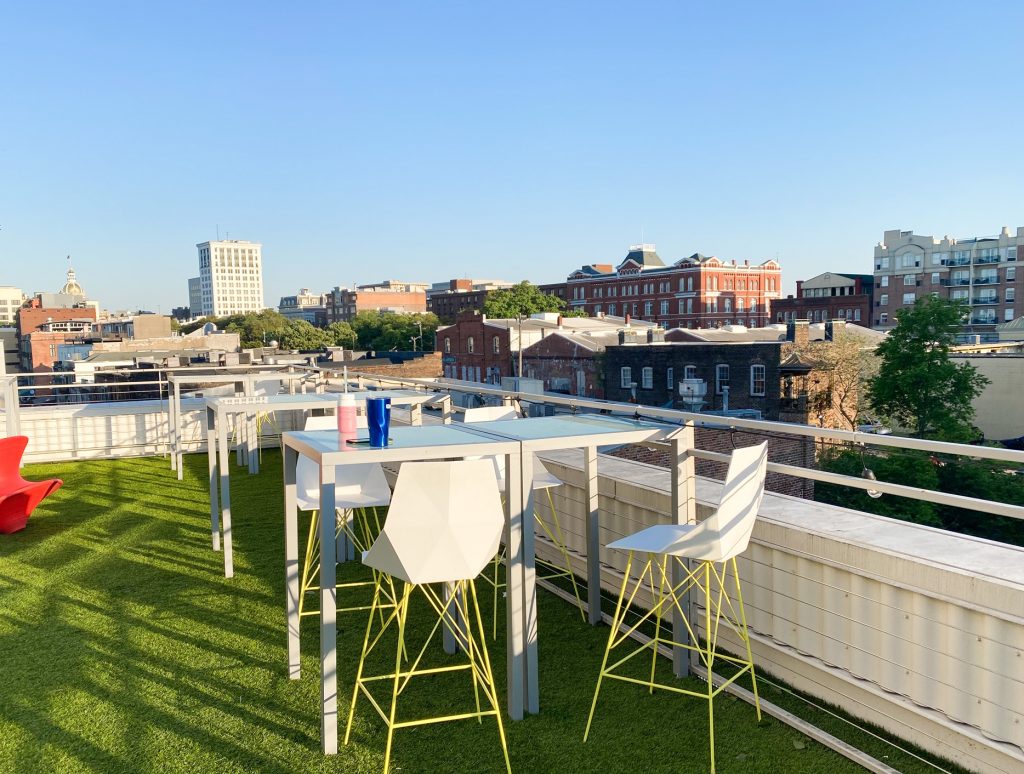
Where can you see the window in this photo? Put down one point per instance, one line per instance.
(908, 259)
(721, 377)
(883, 319)
(1011, 295)
(470, 345)
(647, 377)
(625, 377)
(648, 308)
(885, 280)
(856, 315)
(447, 344)
(664, 307)
(728, 305)
(935, 278)
(1011, 273)
(939, 259)
(739, 306)
(757, 380)
(1008, 315)
(670, 378)
(689, 284)
(611, 309)
(689, 306)
(496, 345)
(909, 298)
(753, 307)
(689, 372)
(1011, 253)
(883, 263)
(883, 299)
(909, 279)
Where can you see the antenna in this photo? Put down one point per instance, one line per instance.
(218, 232)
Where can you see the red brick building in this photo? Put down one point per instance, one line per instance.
(475, 349)
(448, 300)
(41, 330)
(694, 292)
(829, 296)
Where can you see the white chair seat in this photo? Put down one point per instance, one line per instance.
(356, 486)
(672, 539)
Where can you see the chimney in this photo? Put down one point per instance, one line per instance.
(655, 334)
(559, 321)
(798, 332)
(627, 337)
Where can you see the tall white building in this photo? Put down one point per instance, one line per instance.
(230, 277)
(11, 299)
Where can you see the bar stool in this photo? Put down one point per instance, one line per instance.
(359, 491)
(711, 548)
(443, 527)
(543, 480)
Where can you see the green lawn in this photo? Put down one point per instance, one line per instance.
(123, 648)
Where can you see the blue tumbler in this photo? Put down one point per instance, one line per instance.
(378, 420)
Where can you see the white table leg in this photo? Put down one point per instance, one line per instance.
(593, 536)
(328, 616)
(516, 662)
(291, 563)
(211, 456)
(225, 498)
(529, 591)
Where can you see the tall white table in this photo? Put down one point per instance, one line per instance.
(408, 444)
(517, 440)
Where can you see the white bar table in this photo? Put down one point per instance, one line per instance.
(407, 444)
(582, 431)
(218, 410)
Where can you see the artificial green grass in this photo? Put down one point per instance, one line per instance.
(123, 648)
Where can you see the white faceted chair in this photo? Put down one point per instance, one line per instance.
(443, 527)
(549, 524)
(360, 491)
(704, 554)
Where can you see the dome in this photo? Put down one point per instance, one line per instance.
(71, 287)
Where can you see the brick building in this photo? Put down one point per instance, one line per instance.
(41, 331)
(569, 362)
(557, 289)
(478, 349)
(448, 299)
(694, 292)
(828, 296)
(389, 296)
(743, 374)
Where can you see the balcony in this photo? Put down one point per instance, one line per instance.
(986, 280)
(979, 300)
(986, 259)
(114, 602)
(957, 262)
(983, 320)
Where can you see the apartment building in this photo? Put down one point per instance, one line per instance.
(828, 296)
(981, 272)
(305, 305)
(388, 296)
(448, 299)
(230, 278)
(11, 299)
(694, 292)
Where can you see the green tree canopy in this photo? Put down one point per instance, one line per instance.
(342, 335)
(386, 331)
(302, 335)
(917, 386)
(522, 299)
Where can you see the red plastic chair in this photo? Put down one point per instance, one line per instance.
(18, 497)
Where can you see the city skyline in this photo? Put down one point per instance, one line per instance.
(517, 143)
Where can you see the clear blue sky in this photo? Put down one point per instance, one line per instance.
(424, 141)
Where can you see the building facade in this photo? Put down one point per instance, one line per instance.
(980, 272)
(11, 299)
(311, 307)
(828, 296)
(448, 299)
(195, 297)
(389, 296)
(694, 292)
(230, 278)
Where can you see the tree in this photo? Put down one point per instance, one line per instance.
(917, 386)
(302, 335)
(387, 331)
(522, 299)
(849, 365)
(342, 335)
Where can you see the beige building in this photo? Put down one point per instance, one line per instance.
(981, 272)
(11, 299)
(230, 278)
(997, 411)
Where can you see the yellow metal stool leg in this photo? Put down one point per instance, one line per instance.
(745, 633)
(709, 659)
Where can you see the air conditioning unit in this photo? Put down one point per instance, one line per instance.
(692, 392)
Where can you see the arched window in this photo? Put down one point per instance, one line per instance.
(496, 345)
(470, 345)
(447, 344)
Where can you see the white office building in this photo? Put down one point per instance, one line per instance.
(230, 278)
(11, 299)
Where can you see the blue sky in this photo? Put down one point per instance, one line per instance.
(424, 141)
